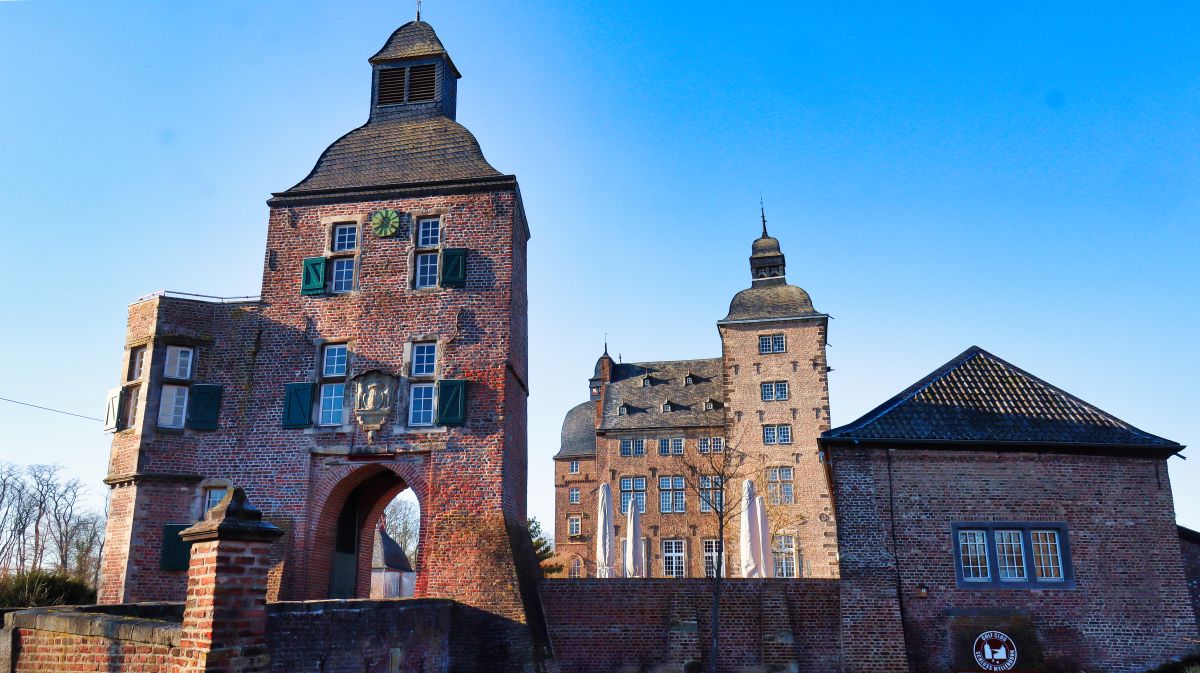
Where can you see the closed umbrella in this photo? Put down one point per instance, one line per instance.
(750, 541)
(635, 561)
(766, 559)
(604, 534)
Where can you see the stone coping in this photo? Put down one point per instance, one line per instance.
(283, 607)
(74, 620)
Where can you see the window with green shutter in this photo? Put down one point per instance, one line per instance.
(297, 405)
(175, 552)
(204, 406)
(452, 402)
(454, 267)
(313, 279)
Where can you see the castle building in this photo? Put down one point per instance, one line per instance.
(387, 352)
(651, 429)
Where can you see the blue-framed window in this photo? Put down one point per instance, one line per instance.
(1012, 555)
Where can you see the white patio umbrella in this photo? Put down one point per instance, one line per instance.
(766, 559)
(750, 541)
(634, 561)
(604, 534)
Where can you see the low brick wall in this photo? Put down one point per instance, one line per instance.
(48, 640)
(612, 625)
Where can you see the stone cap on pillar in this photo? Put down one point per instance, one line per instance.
(232, 519)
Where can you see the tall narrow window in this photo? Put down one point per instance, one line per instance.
(664, 446)
(420, 407)
(671, 497)
(639, 447)
(343, 243)
(130, 406)
(673, 565)
(1010, 555)
(783, 554)
(137, 358)
(573, 467)
(574, 525)
(769, 434)
(573, 496)
(334, 362)
(633, 489)
(677, 446)
(576, 570)
(780, 487)
(333, 397)
(972, 549)
(424, 359)
(179, 363)
(342, 279)
(212, 497)
(702, 445)
(345, 238)
(429, 232)
(712, 557)
(427, 269)
(717, 444)
(172, 406)
(626, 447)
(712, 495)
(1047, 555)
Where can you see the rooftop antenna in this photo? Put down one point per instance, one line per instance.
(763, 210)
(418, 10)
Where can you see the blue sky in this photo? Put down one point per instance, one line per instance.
(1016, 176)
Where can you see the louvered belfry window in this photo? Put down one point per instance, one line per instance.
(421, 85)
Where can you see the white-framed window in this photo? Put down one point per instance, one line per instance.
(212, 497)
(671, 495)
(345, 237)
(702, 445)
(712, 495)
(179, 363)
(973, 553)
(774, 391)
(333, 360)
(573, 496)
(1010, 555)
(717, 444)
(667, 407)
(576, 570)
(677, 446)
(712, 556)
(429, 232)
(783, 553)
(333, 404)
(646, 381)
(777, 434)
(1047, 555)
(771, 343)
(424, 359)
(633, 489)
(633, 447)
(573, 467)
(342, 278)
(420, 404)
(623, 409)
(710, 444)
(129, 410)
(780, 486)
(427, 269)
(709, 405)
(137, 359)
(626, 447)
(172, 406)
(574, 525)
(668, 446)
(672, 552)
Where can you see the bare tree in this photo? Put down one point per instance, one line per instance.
(403, 524)
(43, 523)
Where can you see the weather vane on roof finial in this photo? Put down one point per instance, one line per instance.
(763, 210)
(418, 10)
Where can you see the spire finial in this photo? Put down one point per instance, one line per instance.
(606, 343)
(418, 10)
(763, 211)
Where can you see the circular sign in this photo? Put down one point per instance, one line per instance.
(385, 223)
(994, 651)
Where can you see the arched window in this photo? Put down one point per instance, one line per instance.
(576, 568)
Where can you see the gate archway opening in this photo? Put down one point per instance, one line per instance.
(363, 563)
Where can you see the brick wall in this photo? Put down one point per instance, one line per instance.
(1189, 543)
(605, 625)
(1129, 610)
(53, 640)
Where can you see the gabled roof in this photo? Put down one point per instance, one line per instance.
(979, 398)
(666, 384)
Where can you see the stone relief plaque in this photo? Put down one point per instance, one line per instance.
(374, 396)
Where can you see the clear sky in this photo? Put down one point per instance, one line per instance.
(1020, 176)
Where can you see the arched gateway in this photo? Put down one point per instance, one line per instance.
(387, 352)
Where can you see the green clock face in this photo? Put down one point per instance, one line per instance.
(385, 223)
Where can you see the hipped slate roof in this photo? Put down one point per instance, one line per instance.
(979, 398)
(579, 432)
(770, 299)
(388, 554)
(666, 385)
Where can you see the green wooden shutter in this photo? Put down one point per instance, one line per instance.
(452, 402)
(454, 267)
(204, 406)
(313, 279)
(297, 405)
(175, 552)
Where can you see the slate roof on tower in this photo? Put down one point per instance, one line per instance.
(412, 40)
(978, 398)
(644, 403)
(579, 432)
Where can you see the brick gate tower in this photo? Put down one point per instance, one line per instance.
(388, 351)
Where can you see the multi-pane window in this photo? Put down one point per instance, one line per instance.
(429, 232)
(137, 358)
(633, 489)
(774, 391)
(777, 434)
(633, 447)
(671, 495)
(672, 551)
(213, 496)
(677, 446)
(334, 361)
(1047, 555)
(576, 570)
(672, 446)
(427, 269)
(345, 237)
(973, 555)
(712, 495)
(573, 496)
(1010, 555)
(172, 406)
(783, 554)
(424, 359)
(702, 445)
(574, 525)
(712, 557)
(179, 363)
(129, 410)
(771, 343)
(333, 403)
(780, 487)
(420, 404)
(342, 278)
(334, 364)
(573, 467)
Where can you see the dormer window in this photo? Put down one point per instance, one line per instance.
(667, 407)
(415, 84)
(623, 410)
(646, 382)
(689, 380)
(711, 405)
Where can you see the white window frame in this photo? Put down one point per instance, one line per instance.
(210, 499)
(778, 343)
(714, 560)
(341, 275)
(672, 495)
(421, 240)
(781, 488)
(712, 492)
(425, 275)
(172, 406)
(573, 496)
(783, 556)
(770, 436)
(332, 405)
(1010, 555)
(137, 363)
(339, 242)
(973, 538)
(674, 556)
(172, 368)
(576, 569)
(574, 525)
(632, 492)
(573, 467)
(677, 446)
(428, 393)
(337, 355)
(424, 359)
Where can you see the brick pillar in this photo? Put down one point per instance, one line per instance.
(225, 619)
